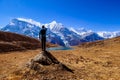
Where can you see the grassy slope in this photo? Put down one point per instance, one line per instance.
(92, 61)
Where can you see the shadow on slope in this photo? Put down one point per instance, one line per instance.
(16, 42)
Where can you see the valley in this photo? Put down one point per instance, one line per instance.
(92, 61)
(60, 40)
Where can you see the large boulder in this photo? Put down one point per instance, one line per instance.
(44, 59)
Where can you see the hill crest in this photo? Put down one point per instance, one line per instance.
(17, 42)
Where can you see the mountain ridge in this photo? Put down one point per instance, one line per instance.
(56, 32)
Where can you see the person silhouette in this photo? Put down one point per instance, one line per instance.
(42, 36)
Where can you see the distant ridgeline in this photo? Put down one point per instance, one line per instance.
(56, 32)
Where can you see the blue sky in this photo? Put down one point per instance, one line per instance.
(97, 15)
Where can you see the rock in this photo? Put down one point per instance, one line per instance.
(43, 59)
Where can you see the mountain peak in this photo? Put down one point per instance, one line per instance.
(53, 22)
(29, 21)
(54, 25)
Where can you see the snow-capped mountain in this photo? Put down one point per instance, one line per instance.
(87, 35)
(106, 35)
(22, 26)
(56, 32)
(68, 37)
(80, 31)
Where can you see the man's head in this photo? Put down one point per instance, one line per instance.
(43, 26)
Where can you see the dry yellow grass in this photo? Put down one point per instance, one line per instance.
(97, 62)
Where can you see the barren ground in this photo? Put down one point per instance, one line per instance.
(92, 63)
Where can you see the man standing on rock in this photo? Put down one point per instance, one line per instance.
(42, 36)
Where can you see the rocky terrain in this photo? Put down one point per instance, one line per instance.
(90, 61)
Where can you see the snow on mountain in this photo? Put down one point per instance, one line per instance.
(92, 36)
(54, 26)
(106, 35)
(23, 26)
(87, 35)
(29, 21)
(56, 32)
(67, 36)
(80, 31)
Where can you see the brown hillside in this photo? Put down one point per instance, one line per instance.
(16, 42)
(111, 43)
(10, 37)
